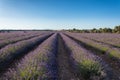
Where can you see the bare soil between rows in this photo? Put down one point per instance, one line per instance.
(65, 71)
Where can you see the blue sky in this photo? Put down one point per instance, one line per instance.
(59, 14)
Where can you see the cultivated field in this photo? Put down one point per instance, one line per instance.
(52, 55)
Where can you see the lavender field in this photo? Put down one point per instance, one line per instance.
(59, 55)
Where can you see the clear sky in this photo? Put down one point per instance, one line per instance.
(59, 14)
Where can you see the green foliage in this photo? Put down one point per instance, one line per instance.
(100, 30)
(104, 49)
(117, 29)
(114, 53)
(31, 73)
(89, 68)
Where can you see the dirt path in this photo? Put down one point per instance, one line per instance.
(64, 69)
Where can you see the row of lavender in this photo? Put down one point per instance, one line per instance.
(108, 38)
(7, 35)
(84, 63)
(39, 64)
(18, 37)
(112, 52)
(111, 60)
(10, 52)
(13, 34)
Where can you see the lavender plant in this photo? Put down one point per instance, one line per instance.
(111, 52)
(11, 40)
(108, 38)
(13, 50)
(85, 63)
(39, 64)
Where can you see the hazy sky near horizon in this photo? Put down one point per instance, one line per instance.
(59, 14)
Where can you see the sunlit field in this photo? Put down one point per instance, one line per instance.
(59, 55)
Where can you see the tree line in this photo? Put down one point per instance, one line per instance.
(94, 30)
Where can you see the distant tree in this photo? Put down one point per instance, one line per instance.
(100, 30)
(117, 29)
(94, 30)
(109, 30)
(74, 29)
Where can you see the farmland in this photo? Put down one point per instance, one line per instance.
(59, 55)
